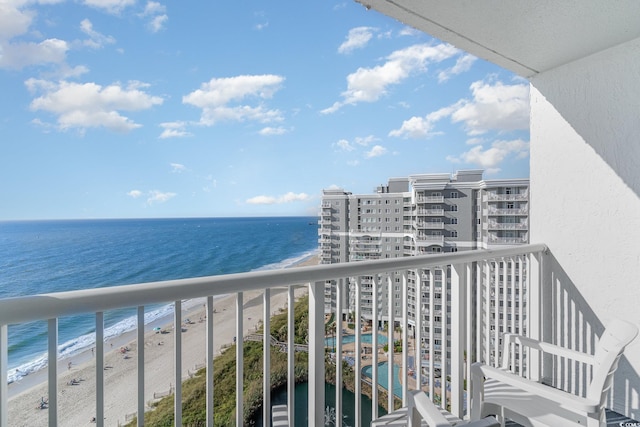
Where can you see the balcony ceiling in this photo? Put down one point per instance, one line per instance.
(526, 37)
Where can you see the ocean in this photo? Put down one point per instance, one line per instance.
(53, 256)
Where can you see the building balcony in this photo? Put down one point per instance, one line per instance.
(430, 238)
(496, 197)
(550, 309)
(430, 199)
(495, 225)
(430, 225)
(518, 211)
(507, 240)
(431, 212)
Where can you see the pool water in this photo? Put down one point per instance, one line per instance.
(347, 339)
(383, 377)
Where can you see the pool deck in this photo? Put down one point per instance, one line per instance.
(348, 350)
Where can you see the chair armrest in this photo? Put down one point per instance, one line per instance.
(549, 348)
(577, 403)
(418, 401)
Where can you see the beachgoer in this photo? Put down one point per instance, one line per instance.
(69, 366)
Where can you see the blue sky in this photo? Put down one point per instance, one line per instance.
(131, 109)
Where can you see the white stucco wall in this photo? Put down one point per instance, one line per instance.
(585, 187)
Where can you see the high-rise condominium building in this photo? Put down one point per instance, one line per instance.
(417, 215)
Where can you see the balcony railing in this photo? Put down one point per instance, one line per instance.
(430, 199)
(507, 197)
(494, 225)
(549, 309)
(508, 211)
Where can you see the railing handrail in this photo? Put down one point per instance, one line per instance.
(59, 304)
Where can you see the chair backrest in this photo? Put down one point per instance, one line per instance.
(611, 345)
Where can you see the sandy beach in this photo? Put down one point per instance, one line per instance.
(76, 399)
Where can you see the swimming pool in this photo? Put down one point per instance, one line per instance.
(383, 377)
(346, 339)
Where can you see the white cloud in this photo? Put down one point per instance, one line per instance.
(15, 20)
(177, 167)
(365, 140)
(156, 14)
(267, 131)
(111, 6)
(157, 23)
(214, 98)
(156, 196)
(153, 196)
(376, 151)
(370, 84)
(493, 156)
(285, 198)
(356, 39)
(20, 55)
(463, 64)
(174, 130)
(422, 127)
(96, 40)
(495, 106)
(154, 8)
(88, 105)
(344, 145)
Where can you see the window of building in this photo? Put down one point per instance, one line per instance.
(508, 190)
(454, 208)
(453, 221)
(511, 206)
(478, 221)
(454, 195)
(454, 234)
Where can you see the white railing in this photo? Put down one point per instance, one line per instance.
(470, 332)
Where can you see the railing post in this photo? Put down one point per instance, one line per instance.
(239, 361)
(458, 334)
(316, 353)
(358, 354)
(53, 372)
(209, 362)
(291, 379)
(177, 402)
(339, 306)
(374, 350)
(534, 306)
(100, 370)
(266, 358)
(405, 339)
(4, 369)
(390, 331)
(141, 403)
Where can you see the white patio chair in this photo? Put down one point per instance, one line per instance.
(422, 410)
(532, 404)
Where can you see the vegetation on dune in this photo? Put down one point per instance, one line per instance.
(224, 367)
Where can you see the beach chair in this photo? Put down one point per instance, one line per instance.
(507, 395)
